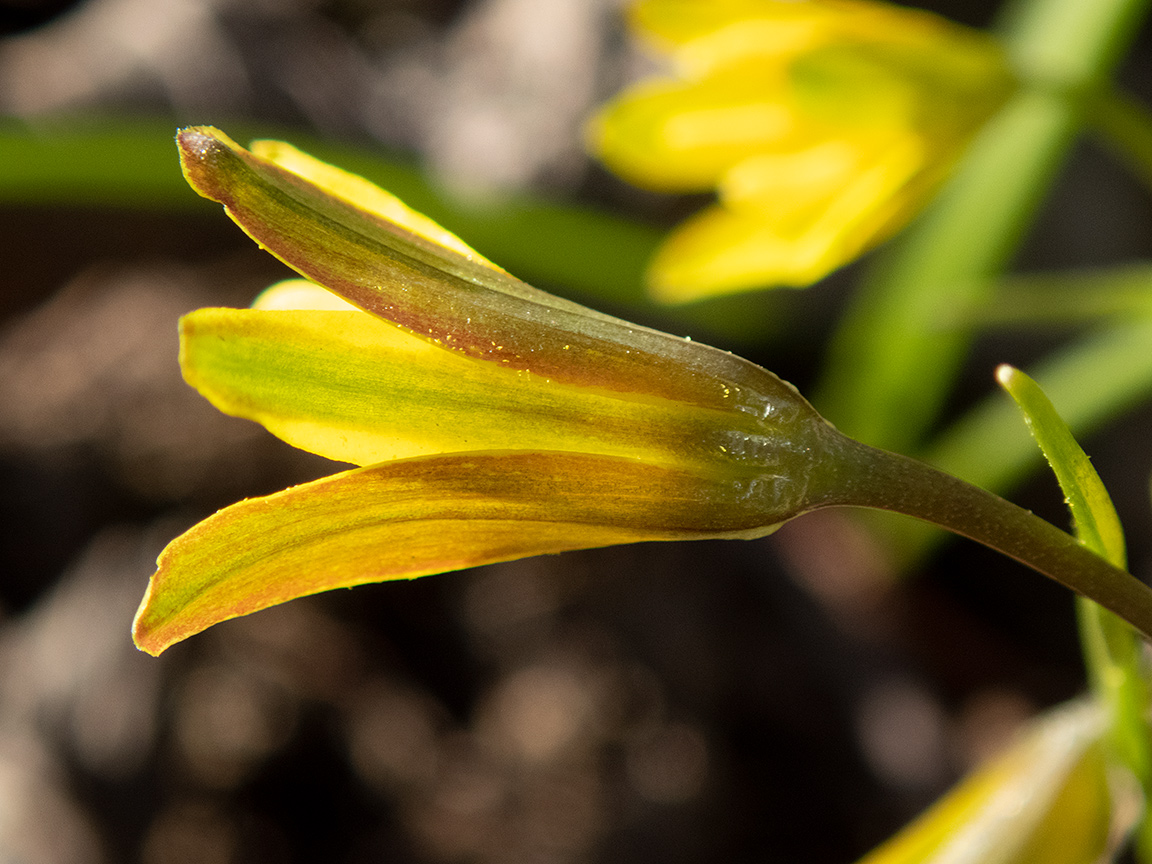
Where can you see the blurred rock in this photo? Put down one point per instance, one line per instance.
(94, 369)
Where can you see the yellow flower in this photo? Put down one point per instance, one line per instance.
(493, 421)
(823, 124)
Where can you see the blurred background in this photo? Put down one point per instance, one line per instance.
(776, 700)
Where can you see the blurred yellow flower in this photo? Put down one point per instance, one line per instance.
(823, 124)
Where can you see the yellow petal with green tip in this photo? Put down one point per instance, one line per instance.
(353, 388)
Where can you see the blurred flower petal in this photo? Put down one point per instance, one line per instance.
(832, 121)
(1050, 798)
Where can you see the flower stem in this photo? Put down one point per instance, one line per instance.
(857, 475)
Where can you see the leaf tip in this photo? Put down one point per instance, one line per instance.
(1006, 374)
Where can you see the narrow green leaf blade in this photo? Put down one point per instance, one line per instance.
(1094, 379)
(1111, 648)
(1097, 524)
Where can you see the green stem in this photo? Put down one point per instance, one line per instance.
(1097, 378)
(1070, 43)
(1112, 657)
(892, 363)
(1127, 126)
(857, 475)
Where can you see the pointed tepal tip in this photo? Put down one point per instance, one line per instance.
(206, 154)
(141, 635)
(199, 140)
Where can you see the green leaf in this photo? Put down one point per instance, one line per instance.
(1095, 379)
(1063, 298)
(1111, 649)
(1097, 524)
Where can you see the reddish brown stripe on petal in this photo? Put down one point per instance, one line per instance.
(461, 305)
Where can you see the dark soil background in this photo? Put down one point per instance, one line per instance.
(777, 700)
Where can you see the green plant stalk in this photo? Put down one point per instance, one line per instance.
(848, 473)
(891, 366)
(1066, 298)
(1126, 126)
(1094, 379)
(1112, 655)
